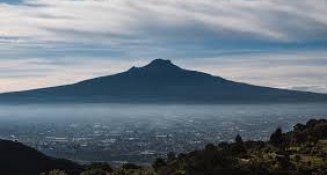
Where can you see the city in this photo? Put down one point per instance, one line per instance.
(138, 141)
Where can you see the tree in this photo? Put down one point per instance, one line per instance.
(238, 146)
(210, 147)
(298, 127)
(239, 140)
(171, 156)
(277, 138)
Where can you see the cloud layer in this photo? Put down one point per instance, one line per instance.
(121, 24)
(267, 42)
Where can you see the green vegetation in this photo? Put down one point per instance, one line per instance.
(302, 151)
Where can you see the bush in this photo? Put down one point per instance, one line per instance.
(129, 166)
(100, 165)
(158, 163)
(57, 172)
(95, 172)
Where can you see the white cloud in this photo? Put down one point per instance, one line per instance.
(116, 22)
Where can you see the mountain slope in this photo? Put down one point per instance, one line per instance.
(162, 81)
(18, 159)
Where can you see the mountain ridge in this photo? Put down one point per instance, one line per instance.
(162, 81)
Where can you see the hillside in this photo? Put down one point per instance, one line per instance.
(18, 159)
(163, 82)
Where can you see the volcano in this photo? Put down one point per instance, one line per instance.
(161, 81)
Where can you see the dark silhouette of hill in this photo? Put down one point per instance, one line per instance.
(18, 159)
(162, 81)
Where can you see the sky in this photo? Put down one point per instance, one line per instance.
(273, 43)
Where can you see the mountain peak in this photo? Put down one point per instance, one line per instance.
(157, 65)
(161, 64)
(160, 61)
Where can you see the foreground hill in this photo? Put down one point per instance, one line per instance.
(18, 159)
(161, 81)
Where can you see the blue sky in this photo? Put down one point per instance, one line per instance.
(272, 43)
